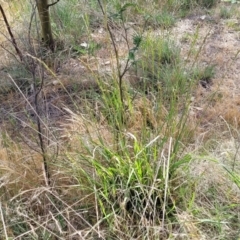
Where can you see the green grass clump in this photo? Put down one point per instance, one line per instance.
(70, 21)
(163, 19)
(161, 69)
(131, 164)
(225, 13)
(207, 3)
(204, 75)
(132, 180)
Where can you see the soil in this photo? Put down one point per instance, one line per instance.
(216, 105)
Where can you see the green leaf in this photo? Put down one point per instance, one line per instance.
(137, 40)
(127, 5)
(131, 55)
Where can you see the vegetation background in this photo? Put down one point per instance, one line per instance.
(125, 125)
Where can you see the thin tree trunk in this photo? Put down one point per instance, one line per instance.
(43, 11)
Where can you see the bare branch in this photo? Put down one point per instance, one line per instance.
(49, 5)
(19, 53)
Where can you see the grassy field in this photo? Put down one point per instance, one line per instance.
(129, 129)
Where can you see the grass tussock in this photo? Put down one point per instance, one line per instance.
(116, 139)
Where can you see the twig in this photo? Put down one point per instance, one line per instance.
(49, 5)
(19, 53)
(39, 127)
(5, 49)
(30, 23)
(3, 222)
(166, 181)
(116, 55)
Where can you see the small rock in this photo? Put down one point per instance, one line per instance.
(55, 82)
(84, 44)
(203, 17)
